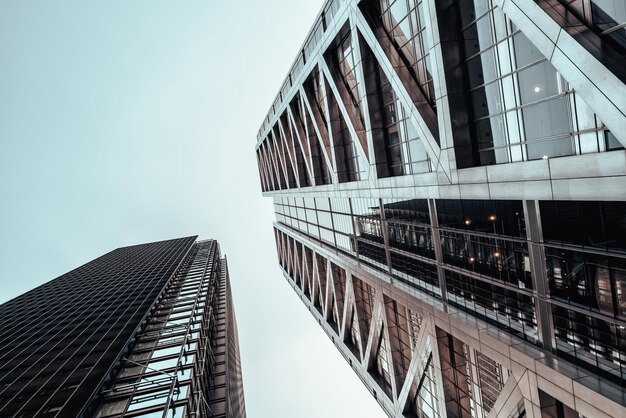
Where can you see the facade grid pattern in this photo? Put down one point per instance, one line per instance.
(481, 246)
(131, 333)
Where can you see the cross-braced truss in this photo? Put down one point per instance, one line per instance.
(449, 179)
(416, 362)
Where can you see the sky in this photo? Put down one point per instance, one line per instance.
(124, 122)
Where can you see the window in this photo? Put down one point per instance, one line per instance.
(519, 107)
(145, 400)
(162, 364)
(161, 352)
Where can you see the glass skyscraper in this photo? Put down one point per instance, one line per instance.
(143, 331)
(449, 182)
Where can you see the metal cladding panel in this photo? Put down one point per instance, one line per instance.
(237, 407)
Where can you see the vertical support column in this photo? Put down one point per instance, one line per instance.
(360, 79)
(332, 221)
(434, 223)
(446, 135)
(355, 230)
(537, 256)
(383, 225)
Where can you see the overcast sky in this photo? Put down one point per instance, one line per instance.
(124, 122)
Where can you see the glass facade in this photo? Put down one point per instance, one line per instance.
(161, 362)
(518, 106)
(598, 25)
(59, 339)
(586, 266)
(476, 185)
(483, 247)
(522, 108)
(404, 22)
(163, 368)
(400, 25)
(397, 146)
(477, 379)
(486, 262)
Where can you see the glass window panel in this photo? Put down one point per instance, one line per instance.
(599, 345)
(180, 393)
(470, 40)
(525, 52)
(311, 216)
(538, 82)
(146, 382)
(413, 210)
(154, 414)
(509, 92)
(475, 71)
(188, 358)
(611, 142)
(507, 309)
(550, 148)
(324, 219)
(322, 203)
(493, 99)
(166, 351)
(546, 119)
(340, 205)
(369, 207)
(490, 132)
(184, 374)
(482, 6)
(344, 242)
(479, 103)
(309, 202)
(467, 11)
(422, 276)
(163, 364)
(177, 321)
(148, 399)
(314, 231)
(483, 28)
(608, 13)
(343, 223)
(327, 236)
(178, 411)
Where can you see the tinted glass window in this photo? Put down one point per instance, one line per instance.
(590, 224)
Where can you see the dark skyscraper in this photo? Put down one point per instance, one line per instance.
(449, 182)
(143, 331)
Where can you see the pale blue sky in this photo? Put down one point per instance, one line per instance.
(123, 122)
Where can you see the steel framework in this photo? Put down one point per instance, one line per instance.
(449, 182)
